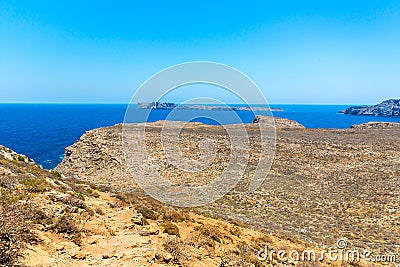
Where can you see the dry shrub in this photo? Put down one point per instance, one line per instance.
(38, 216)
(81, 189)
(35, 184)
(175, 246)
(147, 213)
(55, 173)
(74, 201)
(235, 231)
(236, 222)
(198, 240)
(243, 255)
(210, 231)
(175, 215)
(66, 225)
(127, 197)
(171, 229)
(15, 229)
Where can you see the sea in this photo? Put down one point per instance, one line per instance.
(43, 131)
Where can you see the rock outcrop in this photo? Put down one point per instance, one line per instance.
(389, 107)
(12, 155)
(280, 123)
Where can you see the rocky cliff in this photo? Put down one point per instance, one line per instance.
(389, 107)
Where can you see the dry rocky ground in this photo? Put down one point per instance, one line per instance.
(324, 185)
(47, 219)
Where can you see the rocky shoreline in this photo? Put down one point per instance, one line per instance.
(389, 107)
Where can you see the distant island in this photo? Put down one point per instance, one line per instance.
(167, 105)
(389, 107)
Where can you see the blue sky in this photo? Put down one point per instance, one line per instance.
(296, 51)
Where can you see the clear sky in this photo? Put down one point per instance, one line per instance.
(296, 51)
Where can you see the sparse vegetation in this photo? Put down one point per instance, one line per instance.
(242, 255)
(174, 215)
(38, 216)
(15, 231)
(56, 173)
(66, 225)
(62, 214)
(147, 213)
(35, 184)
(175, 246)
(171, 229)
(235, 231)
(74, 201)
(210, 231)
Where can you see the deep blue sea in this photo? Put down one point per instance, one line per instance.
(42, 131)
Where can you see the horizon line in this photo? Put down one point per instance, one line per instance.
(124, 103)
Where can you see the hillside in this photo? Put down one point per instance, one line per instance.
(324, 184)
(51, 220)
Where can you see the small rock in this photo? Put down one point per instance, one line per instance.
(137, 218)
(129, 226)
(93, 240)
(109, 254)
(79, 255)
(59, 247)
(120, 255)
(167, 257)
(149, 254)
(147, 233)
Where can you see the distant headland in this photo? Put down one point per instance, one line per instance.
(389, 107)
(168, 105)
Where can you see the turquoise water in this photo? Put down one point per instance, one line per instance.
(42, 131)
